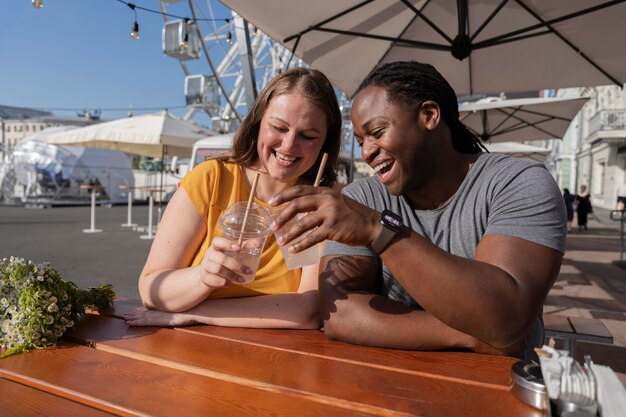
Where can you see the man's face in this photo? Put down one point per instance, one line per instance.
(393, 142)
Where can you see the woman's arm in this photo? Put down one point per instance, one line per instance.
(296, 310)
(167, 282)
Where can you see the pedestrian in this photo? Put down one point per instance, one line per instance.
(188, 277)
(569, 199)
(583, 208)
(447, 246)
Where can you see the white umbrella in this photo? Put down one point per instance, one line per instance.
(523, 119)
(522, 45)
(149, 135)
(519, 150)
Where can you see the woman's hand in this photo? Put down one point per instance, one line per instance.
(144, 317)
(220, 265)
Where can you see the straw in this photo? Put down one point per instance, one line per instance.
(245, 216)
(320, 171)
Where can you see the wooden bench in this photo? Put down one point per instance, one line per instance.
(574, 329)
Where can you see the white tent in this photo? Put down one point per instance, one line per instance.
(149, 135)
(50, 172)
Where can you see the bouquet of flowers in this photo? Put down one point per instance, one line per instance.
(37, 305)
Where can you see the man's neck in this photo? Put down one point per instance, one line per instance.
(444, 184)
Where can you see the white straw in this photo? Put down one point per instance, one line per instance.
(245, 216)
(320, 171)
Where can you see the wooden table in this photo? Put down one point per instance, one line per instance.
(105, 367)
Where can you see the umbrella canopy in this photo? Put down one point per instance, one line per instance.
(523, 119)
(519, 150)
(479, 46)
(143, 135)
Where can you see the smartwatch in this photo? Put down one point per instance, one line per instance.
(392, 225)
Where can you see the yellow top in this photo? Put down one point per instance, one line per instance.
(212, 187)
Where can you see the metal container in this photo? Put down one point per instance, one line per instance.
(528, 385)
(570, 404)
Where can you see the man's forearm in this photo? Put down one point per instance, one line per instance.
(371, 320)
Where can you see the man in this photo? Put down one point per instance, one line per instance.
(446, 247)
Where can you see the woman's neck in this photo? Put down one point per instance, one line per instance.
(266, 186)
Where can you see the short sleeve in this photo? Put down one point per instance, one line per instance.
(199, 183)
(528, 204)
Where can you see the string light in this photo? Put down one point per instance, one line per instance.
(37, 4)
(135, 33)
(169, 14)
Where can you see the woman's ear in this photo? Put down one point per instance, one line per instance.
(430, 114)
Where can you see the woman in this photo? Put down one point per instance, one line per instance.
(187, 277)
(583, 207)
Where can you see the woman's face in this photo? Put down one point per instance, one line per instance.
(291, 135)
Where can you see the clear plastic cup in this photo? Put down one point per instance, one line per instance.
(255, 233)
(303, 258)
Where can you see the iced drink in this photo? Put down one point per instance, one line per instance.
(256, 231)
(303, 258)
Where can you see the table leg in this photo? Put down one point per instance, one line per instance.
(129, 221)
(93, 215)
(150, 210)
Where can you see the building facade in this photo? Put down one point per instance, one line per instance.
(16, 123)
(593, 150)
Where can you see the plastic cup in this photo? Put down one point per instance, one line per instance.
(303, 258)
(255, 233)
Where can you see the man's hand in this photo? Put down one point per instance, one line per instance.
(330, 215)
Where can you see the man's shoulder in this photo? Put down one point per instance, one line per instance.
(368, 184)
(368, 191)
(498, 169)
(500, 162)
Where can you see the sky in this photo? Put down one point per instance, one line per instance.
(79, 55)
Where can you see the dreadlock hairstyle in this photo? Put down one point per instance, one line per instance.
(412, 83)
(313, 85)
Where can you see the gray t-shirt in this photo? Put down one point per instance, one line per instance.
(500, 195)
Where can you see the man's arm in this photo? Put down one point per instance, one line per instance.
(351, 312)
(494, 297)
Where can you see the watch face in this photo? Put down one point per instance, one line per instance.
(392, 220)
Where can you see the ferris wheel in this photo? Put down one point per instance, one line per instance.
(225, 62)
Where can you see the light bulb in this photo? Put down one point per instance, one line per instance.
(229, 38)
(135, 33)
(37, 4)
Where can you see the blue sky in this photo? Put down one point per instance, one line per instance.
(78, 54)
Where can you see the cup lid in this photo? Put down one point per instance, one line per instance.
(257, 224)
